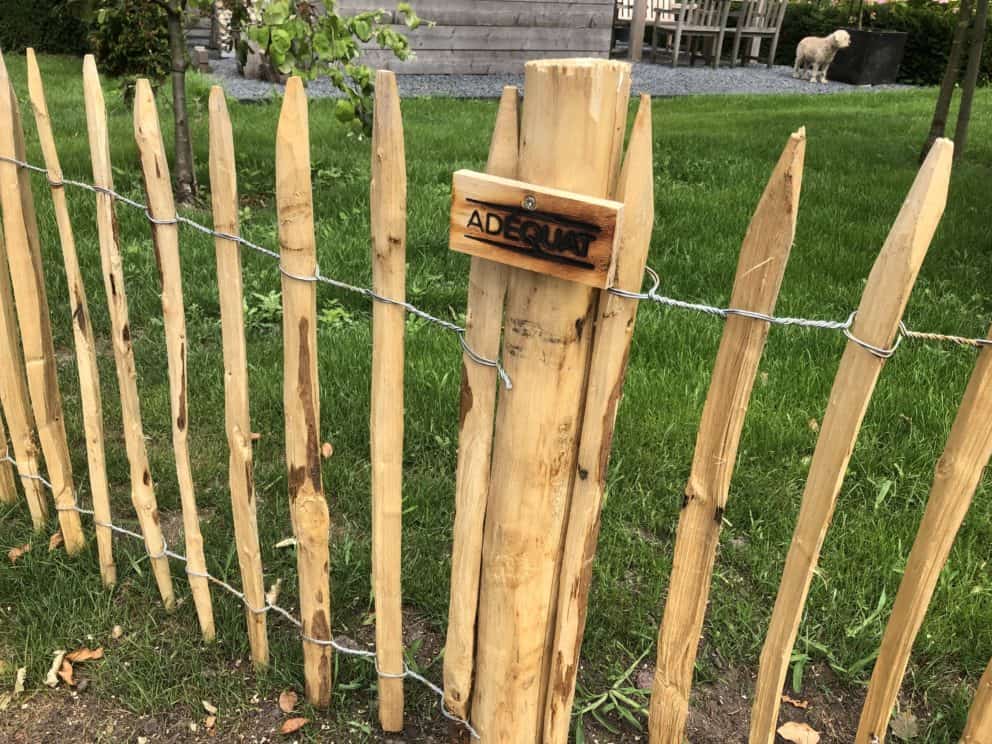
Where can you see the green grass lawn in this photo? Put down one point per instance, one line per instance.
(712, 158)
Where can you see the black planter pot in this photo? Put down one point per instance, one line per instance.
(872, 59)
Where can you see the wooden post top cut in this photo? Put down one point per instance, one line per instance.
(549, 231)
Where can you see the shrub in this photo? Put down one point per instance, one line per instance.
(130, 39)
(930, 26)
(52, 26)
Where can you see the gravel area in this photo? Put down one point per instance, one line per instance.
(656, 79)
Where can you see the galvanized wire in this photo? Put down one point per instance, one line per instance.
(407, 673)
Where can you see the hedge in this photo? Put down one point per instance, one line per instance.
(50, 26)
(930, 26)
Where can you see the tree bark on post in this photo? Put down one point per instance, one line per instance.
(951, 75)
(637, 23)
(971, 77)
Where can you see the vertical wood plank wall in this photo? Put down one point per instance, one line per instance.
(480, 37)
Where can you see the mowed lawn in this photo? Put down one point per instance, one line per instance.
(712, 158)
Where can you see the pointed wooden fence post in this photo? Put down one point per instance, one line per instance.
(28, 280)
(301, 394)
(574, 145)
(165, 239)
(224, 195)
(760, 268)
(877, 324)
(614, 330)
(111, 262)
(16, 402)
(388, 218)
(978, 727)
(82, 330)
(483, 328)
(958, 473)
(8, 491)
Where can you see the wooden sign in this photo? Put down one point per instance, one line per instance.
(549, 231)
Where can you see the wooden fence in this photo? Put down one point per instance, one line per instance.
(532, 457)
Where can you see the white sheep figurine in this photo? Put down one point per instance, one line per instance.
(816, 53)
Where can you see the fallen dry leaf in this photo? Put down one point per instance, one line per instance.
(798, 733)
(326, 450)
(55, 541)
(117, 632)
(272, 595)
(5, 701)
(803, 704)
(289, 542)
(904, 725)
(210, 721)
(287, 701)
(209, 707)
(14, 553)
(814, 425)
(293, 724)
(65, 673)
(22, 674)
(84, 654)
(52, 679)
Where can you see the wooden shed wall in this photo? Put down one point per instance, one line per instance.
(495, 36)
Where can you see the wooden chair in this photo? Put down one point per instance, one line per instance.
(760, 19)
(698, 20)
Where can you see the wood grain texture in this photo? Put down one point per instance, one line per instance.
(16, 401)
(301, 394)
(31, 299)
(563, 234)
(882, 303)
(958, 473)
(615, 321)
(978, 727)
(111, 262)
(8, 488)
(388, 220)
(573, 145)
(237, 422)
(760, 268)
(483, 329)
(165, 239)
(82, 331)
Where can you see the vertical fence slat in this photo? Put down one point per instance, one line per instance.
(16, 402)
(574, 145)
(763, 258)
(8, 491)
(611, 346)
(978, 727)
(142, 487)
(388, 219)
(882, 303)
(224, 197)
(28, 280)
(82, 331)
(301, 394)
(957, 476)
(165, 238)
(483, 327)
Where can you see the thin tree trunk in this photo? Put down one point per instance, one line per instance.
(951, 75)
(185, 184)
(978, 32)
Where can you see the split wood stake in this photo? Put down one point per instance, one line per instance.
(388, 217)
(224, 196)
(15, 401)
(82, 329)
(574, 145)
(611, 346)
(958, 473)
(28, 280)
(8, 491)
(764, 255)
(142, 487)
(882, 304)
(165, 239)
(483, 327)
(978, 727)
(301, 394)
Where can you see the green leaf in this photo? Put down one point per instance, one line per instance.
(322, 45)
(281, 42)
(363, 29)
(344, 111)
(276, 13)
